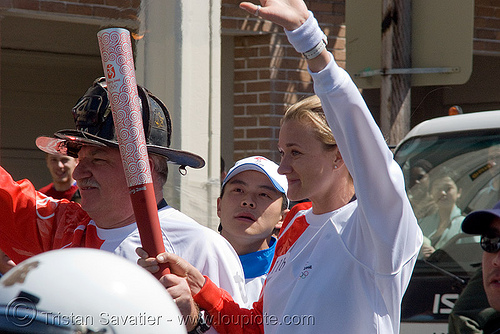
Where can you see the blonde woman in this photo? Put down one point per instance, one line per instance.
(342, 265)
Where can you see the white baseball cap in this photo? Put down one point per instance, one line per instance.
(259, 164)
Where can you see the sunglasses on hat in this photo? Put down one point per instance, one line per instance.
(490, 244)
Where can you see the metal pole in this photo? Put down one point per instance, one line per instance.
(395, 91)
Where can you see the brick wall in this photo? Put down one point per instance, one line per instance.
(115, 9)
(487, 27)
(270, 75)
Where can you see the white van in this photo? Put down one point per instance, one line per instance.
(467, 148)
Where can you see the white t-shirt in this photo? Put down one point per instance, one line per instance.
(205, 249)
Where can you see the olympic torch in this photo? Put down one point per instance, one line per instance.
(118, 65)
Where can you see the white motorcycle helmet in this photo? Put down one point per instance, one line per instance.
(80, 290)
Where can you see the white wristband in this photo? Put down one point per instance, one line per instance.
(307, 36)
(316, 51)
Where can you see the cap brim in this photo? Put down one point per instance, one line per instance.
(250, 166)
(59, 145)
(477, 222)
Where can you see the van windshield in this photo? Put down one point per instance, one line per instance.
(447, 176)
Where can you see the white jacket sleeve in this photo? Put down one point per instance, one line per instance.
(385, 230)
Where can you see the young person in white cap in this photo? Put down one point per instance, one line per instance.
(251, 208)
(343, 265)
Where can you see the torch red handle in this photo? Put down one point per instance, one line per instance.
(148, 224)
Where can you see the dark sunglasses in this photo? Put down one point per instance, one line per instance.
(490, 245)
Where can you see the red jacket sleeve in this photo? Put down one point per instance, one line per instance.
(32, 223)
(225, 315)
(293, 211)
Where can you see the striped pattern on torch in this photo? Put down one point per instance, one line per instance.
(118, 65)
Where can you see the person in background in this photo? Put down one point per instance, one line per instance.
(483, 290)
(61, 170)
(251, 208)
(471, 310)
(445, 223)
(343, 265)
(418, 190)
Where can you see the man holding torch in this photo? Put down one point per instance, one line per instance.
(32, 223)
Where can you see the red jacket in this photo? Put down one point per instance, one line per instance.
(32, 223)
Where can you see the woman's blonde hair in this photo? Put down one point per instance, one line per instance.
(309, 111)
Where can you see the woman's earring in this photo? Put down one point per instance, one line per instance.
(335, 166)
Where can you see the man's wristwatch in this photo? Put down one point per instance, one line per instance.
(201, 326)
(316, 51)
